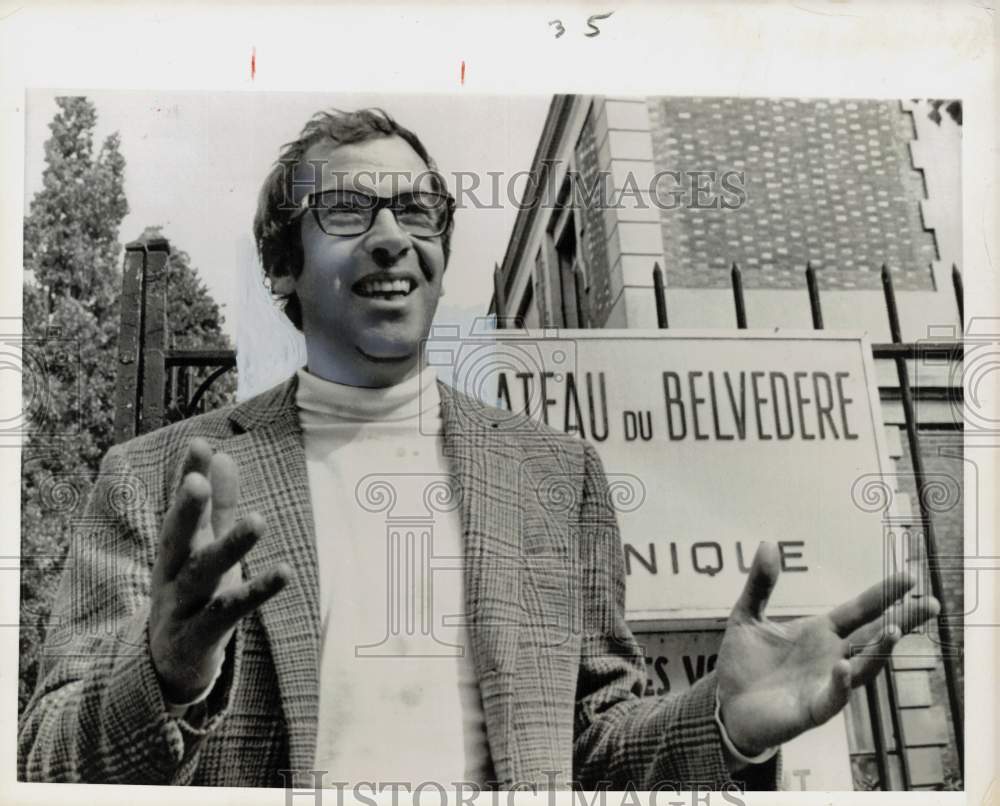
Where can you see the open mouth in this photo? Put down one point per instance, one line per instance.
(374, 288)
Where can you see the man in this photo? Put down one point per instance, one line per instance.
(226, 619)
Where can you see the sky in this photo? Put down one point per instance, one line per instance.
(195, 163)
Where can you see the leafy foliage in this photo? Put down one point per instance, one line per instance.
(72, 262)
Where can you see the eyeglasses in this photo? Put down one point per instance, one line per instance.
(347, 213)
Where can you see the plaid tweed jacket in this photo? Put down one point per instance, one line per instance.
(559, 672)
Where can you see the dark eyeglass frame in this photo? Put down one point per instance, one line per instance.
(378, 203)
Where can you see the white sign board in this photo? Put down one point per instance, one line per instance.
(818, 760)
(712, 442)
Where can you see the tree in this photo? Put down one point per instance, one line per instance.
(70, 329)
(72, 261)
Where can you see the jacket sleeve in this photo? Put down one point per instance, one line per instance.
(622, 739)
(97, 714)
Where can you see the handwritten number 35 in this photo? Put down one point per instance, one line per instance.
(560, 30)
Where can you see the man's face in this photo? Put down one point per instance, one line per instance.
(352, 335)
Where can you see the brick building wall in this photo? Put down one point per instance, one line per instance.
(827, 181)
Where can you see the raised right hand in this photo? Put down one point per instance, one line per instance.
(780, 679)
(198, 592)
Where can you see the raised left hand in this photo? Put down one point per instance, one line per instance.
(779, 679)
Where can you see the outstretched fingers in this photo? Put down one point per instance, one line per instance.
(198, 457)
(226, 609)
(180, 526)
(760, 583)
(871, 645)
(870, 604)
(225, 480)
(188, 510)
(867, 662)
(201, 575)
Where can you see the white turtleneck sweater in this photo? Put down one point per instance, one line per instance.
(399, 696)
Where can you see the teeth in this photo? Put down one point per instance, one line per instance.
(401, 286)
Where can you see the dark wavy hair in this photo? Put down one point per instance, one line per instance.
(276, 228)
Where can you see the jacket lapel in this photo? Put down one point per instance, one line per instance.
(274, 481)
(487, 476)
